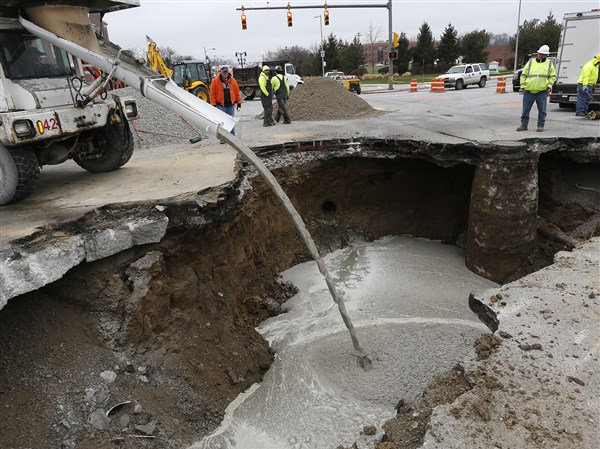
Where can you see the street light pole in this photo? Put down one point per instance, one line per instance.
(517, 40)
(241, 58)
(206, 54)
(322, 46)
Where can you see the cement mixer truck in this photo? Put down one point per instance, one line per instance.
(48, 114)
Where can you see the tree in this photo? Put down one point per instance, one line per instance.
(472, 46)
(299, 56)
(403, 54)
(352, 56)
(332, 47)
(424, 51)
(499, 39)
(448, 50)
(549, 32)
(533, 34)
(373, 36)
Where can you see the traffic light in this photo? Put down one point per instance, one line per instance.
(396, 43)
(289, 18)
(243, 21)
(326, 16)
(392, 55)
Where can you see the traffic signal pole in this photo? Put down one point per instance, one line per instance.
(387, 5)
(391, 46)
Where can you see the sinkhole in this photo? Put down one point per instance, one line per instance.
(154, 343)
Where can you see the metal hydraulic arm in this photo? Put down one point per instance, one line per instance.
(161, 89)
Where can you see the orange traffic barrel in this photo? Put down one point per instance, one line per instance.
(501, 85)
(413, 85)
(437, 85)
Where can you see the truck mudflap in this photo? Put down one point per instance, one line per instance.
(54, 123)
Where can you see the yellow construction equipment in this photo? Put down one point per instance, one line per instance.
(193, 76)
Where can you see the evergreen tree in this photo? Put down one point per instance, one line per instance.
(472, 46)
(424, 51)
(352, 56)
(448, 50)
(533, 34)
(332, 52)
(403, 54)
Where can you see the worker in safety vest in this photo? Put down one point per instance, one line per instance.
(537, 79)
(585, 85)
(266, 95)
(281, 88)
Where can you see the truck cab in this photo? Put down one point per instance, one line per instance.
(45, 118)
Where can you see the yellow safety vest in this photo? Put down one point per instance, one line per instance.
(589, 73)
(538, 76)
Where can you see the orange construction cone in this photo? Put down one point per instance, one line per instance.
(437, 85)
(413, 85)
(501, 85)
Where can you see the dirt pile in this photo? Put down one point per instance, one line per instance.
(326, 99)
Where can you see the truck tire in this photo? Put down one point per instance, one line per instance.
(249, 92)
(201, 92)
(115, 148)
(482, 81)
(459, 84)
(19, 173)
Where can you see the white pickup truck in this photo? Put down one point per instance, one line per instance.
(460, 76)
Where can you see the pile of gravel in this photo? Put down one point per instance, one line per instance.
(157, 125)
(326, 99)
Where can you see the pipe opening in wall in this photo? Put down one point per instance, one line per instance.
(329, 207)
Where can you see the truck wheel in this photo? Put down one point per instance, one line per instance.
(249, 92)
(482, 82)
(19, 173)
(459, 84)
(115, 147)
(201, 92)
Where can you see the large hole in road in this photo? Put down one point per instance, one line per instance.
(168, 330)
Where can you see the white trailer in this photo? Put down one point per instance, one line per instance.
(579, 42)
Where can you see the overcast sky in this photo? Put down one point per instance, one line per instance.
(191, 26)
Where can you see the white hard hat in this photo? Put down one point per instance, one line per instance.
(544, 50)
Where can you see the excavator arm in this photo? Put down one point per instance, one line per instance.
(156, 61)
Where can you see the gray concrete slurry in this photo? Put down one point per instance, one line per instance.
(407, 299)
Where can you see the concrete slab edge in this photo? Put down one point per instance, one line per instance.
(539, 387)
(22, 271)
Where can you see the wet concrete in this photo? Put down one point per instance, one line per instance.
(406, 297)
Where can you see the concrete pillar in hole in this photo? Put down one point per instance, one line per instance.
(503, 212)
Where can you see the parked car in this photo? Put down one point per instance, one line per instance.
(462, 75)
(516, 80)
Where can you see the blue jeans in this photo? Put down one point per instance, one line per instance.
(228, 110)
(583, 98)
(541, 100)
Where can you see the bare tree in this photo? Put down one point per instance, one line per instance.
(372, 36)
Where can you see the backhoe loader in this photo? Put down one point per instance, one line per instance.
(193, 76)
